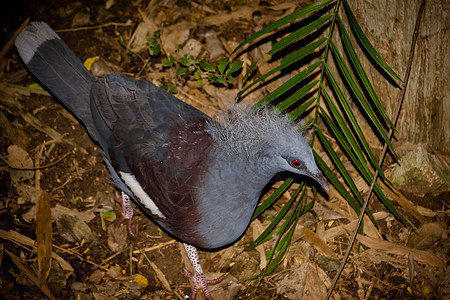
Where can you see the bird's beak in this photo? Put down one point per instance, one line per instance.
(319, 178)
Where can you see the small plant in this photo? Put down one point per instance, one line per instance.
(123, 42)
(153, 46)
(189, 67)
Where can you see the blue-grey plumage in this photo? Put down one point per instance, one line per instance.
(200, 179)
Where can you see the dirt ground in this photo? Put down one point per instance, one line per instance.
(98, 260)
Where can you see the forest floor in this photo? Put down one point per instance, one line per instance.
(94, 259)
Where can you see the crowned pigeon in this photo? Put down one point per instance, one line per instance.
(199, 179)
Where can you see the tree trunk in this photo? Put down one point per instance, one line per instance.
(389, 25)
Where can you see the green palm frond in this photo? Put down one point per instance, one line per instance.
(315, 91)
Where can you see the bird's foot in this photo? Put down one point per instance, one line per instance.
(198, 278)
(127, 211)
(201, 283)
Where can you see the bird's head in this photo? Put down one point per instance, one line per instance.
(302, 163)
(265, 135)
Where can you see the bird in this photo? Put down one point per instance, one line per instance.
(198, 178)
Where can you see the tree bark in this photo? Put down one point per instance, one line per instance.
(389, 25)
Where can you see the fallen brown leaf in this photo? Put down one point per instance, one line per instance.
(44, 235)
(20, 159)
(26, 242)
(27, 272)
(388, 247)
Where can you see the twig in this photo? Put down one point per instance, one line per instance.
(94, 27)
(80, 257)
(131, 259)
(36, 168)
(159, 273)
(391, 131)
(154, 247)
(111, 257)
(10, 44)
(62, 185)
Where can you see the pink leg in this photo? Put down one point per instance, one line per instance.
(127, 211)
(198, 278)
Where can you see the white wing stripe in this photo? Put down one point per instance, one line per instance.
(139, 192)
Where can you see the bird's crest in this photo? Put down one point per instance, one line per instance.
(243, 130)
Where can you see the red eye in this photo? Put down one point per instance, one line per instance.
(296, 163)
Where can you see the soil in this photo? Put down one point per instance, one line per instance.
(77, 181)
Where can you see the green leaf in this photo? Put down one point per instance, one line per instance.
(361, 99)
(303, 52)
(333, 156)
(170, 88)
(250, 70)
(122, 39)
(212, 77)
(328, 173)
(36, 86)
(306, 124)
(188, 61)
(157, 33)
(293, 81)
(109, 216)
(300, 33)
(297, 96)
(344, 135)
(221, 79)
(359, 34)
(276, 255)
(346, 176)
(350, 146)
(184, 61)
(296, 56)
(261, 238)
(234, 67)
(361, 167)
(197, 75)
(300, 110)
(207, 66)
(285, 20)
(169, 61)
(223, 63)
(360, 71)
(272, 198)
(182, 71)
(153, 47)
(349, 112)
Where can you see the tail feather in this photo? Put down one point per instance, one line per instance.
(58, 69)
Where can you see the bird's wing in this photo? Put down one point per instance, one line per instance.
(155, 143)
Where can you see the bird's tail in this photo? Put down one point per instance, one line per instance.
(58, 69)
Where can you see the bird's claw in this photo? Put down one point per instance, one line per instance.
(127, 211)
(201, 283)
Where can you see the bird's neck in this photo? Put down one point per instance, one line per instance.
(248, 173)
